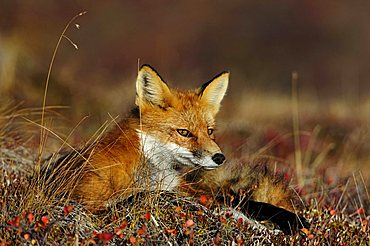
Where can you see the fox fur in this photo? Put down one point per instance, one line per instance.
(167, 142)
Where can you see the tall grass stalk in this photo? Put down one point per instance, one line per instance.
(296, 134)
(43, 133)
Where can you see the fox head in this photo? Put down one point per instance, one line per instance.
(177, 126)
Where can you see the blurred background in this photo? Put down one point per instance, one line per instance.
(260, 42)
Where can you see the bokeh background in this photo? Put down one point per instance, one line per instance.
(260, 42)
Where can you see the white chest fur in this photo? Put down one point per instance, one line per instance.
(159, 158)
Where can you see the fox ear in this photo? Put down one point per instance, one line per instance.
(212, 92)
(150, 88)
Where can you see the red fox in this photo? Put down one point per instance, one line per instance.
(168, 142)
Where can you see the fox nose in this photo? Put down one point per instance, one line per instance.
(218, 158)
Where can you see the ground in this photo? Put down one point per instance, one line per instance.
(333, 183)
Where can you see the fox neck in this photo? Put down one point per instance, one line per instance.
(159, 159)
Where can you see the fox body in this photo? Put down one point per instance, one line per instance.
(167, 142)
(168, 130)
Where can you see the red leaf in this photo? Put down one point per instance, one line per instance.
(132, 239)
(287, 176)
(147, 216)
(105, 236)
(45, 220)
(187, 232)
(30, 217)
(217, 239)
(118, 232)
(201, 218)
(67, 209)
(27, 236)
(229, 214)
(360, 210)
(123, 225)
(189, 223)
(15, 221)
(142, 230)
(305, 231)
(203, 199)
(171, 231)
(178, 209)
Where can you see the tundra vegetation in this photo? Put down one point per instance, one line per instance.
(322, 151)
(331, 151)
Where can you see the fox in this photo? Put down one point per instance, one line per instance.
(167, 142)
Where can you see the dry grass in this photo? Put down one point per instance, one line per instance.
(328, 145)
(34, 211)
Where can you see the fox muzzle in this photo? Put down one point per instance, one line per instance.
(218, 158)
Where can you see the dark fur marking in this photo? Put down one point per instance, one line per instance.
(155, 71)
(204, 86)
(146, 80)
(135, 112)
(197, 153)
(287, 221)
(147, 92)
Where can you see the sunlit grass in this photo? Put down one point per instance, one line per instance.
(34, 210)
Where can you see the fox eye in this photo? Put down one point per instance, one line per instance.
(185, 133)
(210, 131)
